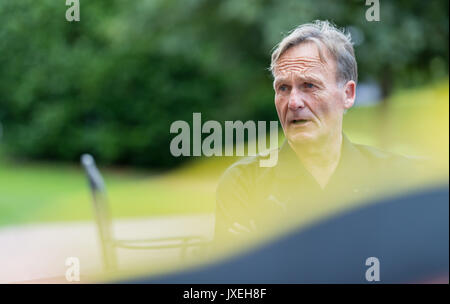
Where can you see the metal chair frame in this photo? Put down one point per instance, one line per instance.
(104, 222)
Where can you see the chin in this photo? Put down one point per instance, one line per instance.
(302, 137)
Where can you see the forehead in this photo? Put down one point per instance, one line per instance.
(304, 59)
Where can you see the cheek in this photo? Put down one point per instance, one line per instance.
(320, 103)
(280, 105)
(325, 107)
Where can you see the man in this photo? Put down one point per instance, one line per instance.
(315, 76)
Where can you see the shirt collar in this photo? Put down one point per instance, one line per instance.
(351, 164)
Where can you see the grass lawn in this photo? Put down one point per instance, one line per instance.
(416, 122)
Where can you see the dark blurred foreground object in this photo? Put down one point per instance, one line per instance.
(408, 234)
(104, 223)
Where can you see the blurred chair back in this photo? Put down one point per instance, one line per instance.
(109, 243)
(101, 211)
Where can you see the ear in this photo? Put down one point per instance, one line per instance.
(349, 94)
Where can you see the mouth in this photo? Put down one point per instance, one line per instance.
(299, 121)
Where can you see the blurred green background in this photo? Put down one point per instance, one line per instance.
(112, 84)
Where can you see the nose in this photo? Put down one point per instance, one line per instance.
(296, 100)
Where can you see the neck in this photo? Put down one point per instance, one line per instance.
(320, 158)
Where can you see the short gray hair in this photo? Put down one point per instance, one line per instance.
(338, 43)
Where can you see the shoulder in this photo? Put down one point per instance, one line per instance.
(245, 171)
(376, 154)
(390, 160)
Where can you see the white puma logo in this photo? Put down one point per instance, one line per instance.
(276, 201)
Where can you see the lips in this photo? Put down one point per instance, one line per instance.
(299, 121)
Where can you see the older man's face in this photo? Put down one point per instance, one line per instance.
(309, 102)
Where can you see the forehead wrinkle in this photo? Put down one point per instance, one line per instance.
(304, 60)
(298, 64)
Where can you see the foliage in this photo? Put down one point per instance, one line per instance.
(113, 83)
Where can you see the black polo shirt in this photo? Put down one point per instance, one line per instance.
(249, 193)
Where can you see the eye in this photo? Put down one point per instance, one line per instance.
(309, 85)
(283, 88)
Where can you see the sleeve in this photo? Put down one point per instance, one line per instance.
(233, 202)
